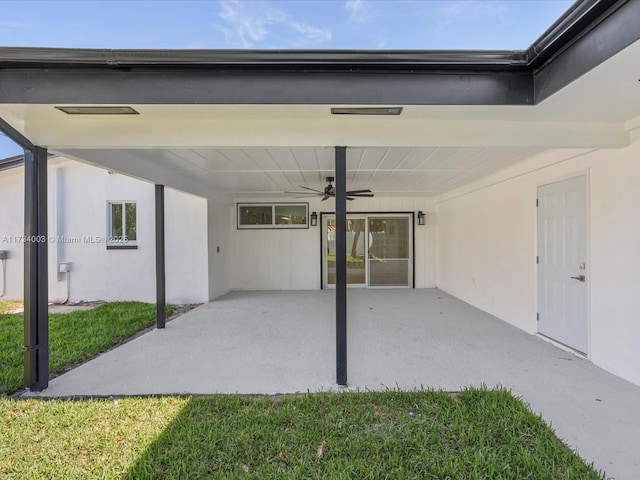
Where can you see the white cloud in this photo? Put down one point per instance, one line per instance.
(249, 24)
(458, 10)
(313, 34)
(359, 10)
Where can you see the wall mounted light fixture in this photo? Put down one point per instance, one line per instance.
(421, 217)
(314, 219)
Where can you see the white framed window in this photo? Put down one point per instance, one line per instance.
(273, 215)
(122, 231)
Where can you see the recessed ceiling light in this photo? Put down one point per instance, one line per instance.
(366, 110)
(98, 110)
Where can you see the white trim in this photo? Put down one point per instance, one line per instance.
(561, 346)
(110, 239)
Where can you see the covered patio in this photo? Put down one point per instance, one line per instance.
(467, 137)
(283, 342)
(458, 134)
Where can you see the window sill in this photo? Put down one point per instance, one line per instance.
(122, 247)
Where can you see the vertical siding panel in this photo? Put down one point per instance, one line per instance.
(277, 259)
(408, 204)
(396, 204)
(285, 259)
(421, 246)
(260, 257)
(430, 243)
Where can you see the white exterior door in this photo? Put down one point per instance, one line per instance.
(562, 252)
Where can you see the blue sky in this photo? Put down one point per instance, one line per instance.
(266, 24)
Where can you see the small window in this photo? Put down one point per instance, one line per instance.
(122, 225)
(290, 214)
(256, 215)
(273, 215)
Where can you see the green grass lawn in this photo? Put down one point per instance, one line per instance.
(477, 434)
(73, 337)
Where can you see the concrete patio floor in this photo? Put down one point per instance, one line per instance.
(284, 342)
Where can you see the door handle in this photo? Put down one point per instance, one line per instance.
(580, 278)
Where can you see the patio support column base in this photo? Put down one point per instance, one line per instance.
(341, 265)
(160, 259)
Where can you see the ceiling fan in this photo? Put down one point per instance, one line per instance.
(330, 191)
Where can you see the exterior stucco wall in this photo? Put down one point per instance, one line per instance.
(487, 246)
(78, 196)
(11, 226)
(271, 259)
(186, 252)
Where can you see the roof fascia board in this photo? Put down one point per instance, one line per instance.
(11, 162)
(575, 22)
(613, 31)
(18, 161)
(179, 86)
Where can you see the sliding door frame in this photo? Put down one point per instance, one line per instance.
(412, 247)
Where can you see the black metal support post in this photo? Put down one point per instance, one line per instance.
(160, 264)
(36, 291)
(341, 265)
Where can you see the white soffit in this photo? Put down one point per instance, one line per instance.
(271, 171)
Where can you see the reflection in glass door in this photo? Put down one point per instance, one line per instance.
(356, 264)
(389, 261)
(379, 250)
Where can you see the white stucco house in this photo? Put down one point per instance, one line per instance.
(525, 164)
(81, 200)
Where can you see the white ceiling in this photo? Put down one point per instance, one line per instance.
(272, 171)
(253, 150)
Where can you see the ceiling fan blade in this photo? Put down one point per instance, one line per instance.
(324, 198)
(306, 194)
(353, 192)
(350, 198)
(312, 189)
(361, 194)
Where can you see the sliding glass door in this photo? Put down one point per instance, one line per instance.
(389, 251)
(379, 250)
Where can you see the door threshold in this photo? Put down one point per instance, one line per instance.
(562, 346)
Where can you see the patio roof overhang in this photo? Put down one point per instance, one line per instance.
(570, 89)
(585, 36)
